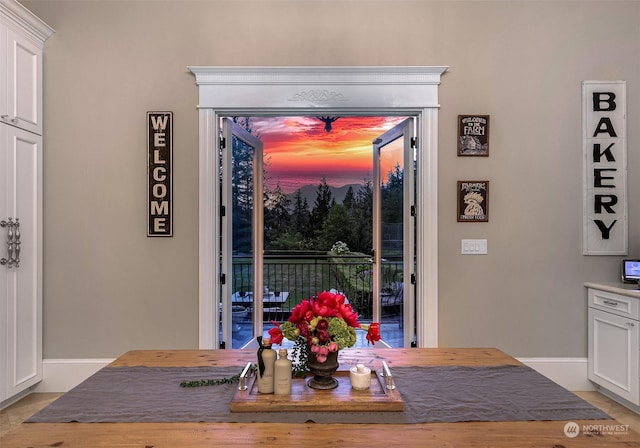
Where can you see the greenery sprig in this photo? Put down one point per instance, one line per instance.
(211, 382)
(300, 355)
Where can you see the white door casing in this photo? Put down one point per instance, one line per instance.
(250, 91)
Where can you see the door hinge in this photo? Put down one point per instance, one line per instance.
(414, 142)
(223, 279)
(223, 210)
(223, 143)
(413, 210)
(413, 279)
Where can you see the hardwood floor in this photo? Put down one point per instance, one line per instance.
(15, 414)
(18, 412)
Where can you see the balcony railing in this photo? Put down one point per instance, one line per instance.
(290, 277)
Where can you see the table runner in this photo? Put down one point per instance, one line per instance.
(431, 394)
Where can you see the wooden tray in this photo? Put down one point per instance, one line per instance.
(303, 398)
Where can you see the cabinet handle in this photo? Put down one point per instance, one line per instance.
(630, 324)
(13, 120)
(13, 243)
(610, 302)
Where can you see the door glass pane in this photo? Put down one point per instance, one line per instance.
(242, 242)
(238, 223)
(391, 162)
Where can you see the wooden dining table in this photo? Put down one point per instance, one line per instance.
(511, 434)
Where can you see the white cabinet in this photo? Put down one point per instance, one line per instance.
(20, 258)
(614, 342)
(22, 37)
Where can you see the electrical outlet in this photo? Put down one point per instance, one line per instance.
(474, 247)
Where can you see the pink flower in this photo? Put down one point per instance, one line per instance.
(321, 358)
(333, 346)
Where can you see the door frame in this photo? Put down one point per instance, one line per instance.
(282, 91)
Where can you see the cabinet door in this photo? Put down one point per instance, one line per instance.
(613, 354)
(20, 281)
(24, 83)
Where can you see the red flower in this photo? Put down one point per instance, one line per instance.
(373, 334)
(346, 312)
(323, 336)
(301, 311)
(323, 324)
(276, 334)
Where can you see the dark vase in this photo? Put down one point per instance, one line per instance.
(323, 371)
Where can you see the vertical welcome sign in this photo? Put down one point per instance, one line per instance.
(159, 174)
(605, 226)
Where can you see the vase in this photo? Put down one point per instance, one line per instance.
(323, 371)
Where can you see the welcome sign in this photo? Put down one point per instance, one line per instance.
(159, 174)
(605, 226)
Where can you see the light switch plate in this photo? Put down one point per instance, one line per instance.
(474, 247)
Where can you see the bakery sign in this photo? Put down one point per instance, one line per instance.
(159, 173)
(604, 129)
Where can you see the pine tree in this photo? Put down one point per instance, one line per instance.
(349, 199)
(276, 215)
(323, 203)
(363, 215)
(300, 215)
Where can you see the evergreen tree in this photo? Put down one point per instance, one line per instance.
(392, 196)
(242, 195)
(338, 226)
(300, 215)
(276, 215)
(349, 199)
(323, 203)
(362, 214)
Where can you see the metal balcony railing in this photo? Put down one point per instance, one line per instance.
(290, 277)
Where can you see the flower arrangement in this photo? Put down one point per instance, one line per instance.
(323, 324)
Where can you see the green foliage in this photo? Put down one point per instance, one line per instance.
(215, 382)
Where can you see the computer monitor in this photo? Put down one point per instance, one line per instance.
(630, 271)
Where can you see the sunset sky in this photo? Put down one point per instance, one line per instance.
(300, 151)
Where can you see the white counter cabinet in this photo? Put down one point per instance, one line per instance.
(614, 341)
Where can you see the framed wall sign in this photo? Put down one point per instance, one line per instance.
(160, 173)
(473, 135)
(604, 141)
(473, 200)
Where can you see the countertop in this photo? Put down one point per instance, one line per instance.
(626, 289)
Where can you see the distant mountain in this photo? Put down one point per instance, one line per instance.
(310, 192)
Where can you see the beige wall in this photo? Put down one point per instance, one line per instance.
(108, 288)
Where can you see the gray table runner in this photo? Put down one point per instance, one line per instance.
(431, 394)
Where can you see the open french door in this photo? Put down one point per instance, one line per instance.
(394, 229)
(242, 224)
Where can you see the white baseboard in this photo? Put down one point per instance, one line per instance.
(61, 375)
(570, 373)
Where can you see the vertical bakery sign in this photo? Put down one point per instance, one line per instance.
(159, 173)
(604, 124)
